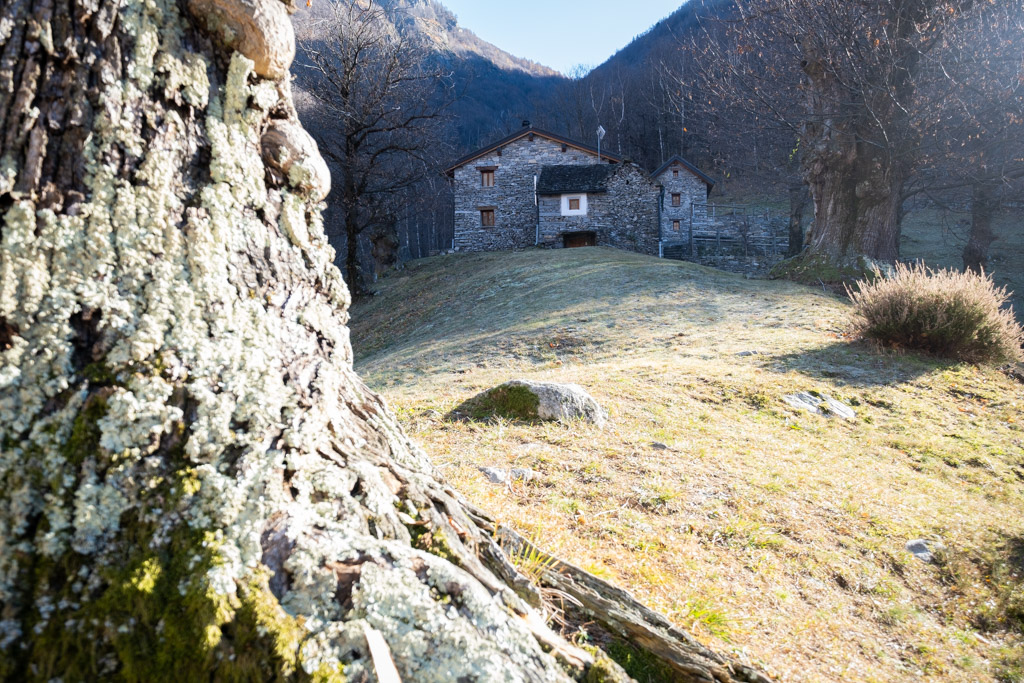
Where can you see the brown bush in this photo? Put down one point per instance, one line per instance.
(945, 312)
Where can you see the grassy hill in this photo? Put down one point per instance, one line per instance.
(776, 534)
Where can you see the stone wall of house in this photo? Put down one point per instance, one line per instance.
(692, 190)
(624, 217)
(512, 197)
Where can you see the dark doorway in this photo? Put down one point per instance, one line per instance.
(579, 239)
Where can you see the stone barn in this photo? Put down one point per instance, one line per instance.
(684, 185)
(536, 188)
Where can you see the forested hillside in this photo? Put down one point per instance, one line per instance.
(794, 104)
(473, 90)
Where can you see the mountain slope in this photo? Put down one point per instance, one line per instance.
(780, 532)
(431, 23)
(496, 90)
(669, 33)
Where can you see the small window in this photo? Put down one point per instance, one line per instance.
(677, 200)
(675, 226)
(487, 178)
(487, 218)
(675, 173)
(574, 205)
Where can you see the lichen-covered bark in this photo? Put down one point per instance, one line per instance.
(194, 484)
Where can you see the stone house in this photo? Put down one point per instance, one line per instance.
(535, 188)
(684, 185)
(598, 204)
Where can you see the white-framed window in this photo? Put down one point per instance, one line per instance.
(574, 205)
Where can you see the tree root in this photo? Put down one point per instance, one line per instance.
(614, 609)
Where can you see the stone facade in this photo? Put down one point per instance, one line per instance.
(516, 167)
(678, 177)
(624, 216)
(498, 206)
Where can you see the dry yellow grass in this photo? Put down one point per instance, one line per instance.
(774, 534)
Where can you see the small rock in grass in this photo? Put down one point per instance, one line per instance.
(522, 474)
(659, 446)
(924, 550)
(837, 408)
(497, 475)
(1015, 372)
(745, 354)
(803, 401)
(820, 405)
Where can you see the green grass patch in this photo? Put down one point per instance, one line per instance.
(641, 665)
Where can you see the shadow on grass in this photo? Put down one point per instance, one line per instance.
(465, 413)
(993, 577)
(513, 403)
(859, 364)
(525, 291)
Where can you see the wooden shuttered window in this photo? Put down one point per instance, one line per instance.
(677, 200)
(487, 218)
(487, 175)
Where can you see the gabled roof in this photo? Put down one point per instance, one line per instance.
(577, 178)
(688, 166)
(484, 151)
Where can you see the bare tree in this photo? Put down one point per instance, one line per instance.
(972, 122)
(573, 102)
(846, 77)
(379, 103)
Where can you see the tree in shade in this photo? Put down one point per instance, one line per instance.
(849, 77)
(377, 115)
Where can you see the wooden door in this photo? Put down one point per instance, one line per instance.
(579, 239)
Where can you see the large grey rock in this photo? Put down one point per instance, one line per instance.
(1015, 371)
(543, 401)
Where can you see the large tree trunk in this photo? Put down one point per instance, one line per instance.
(195, 484)
(983, 209)
(857, 195)
(857, 147)
(855, 185)
(353, 226)
(798, 199)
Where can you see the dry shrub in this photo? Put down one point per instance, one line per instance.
(945, 312)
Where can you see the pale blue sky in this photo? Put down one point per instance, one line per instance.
(561, 33)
